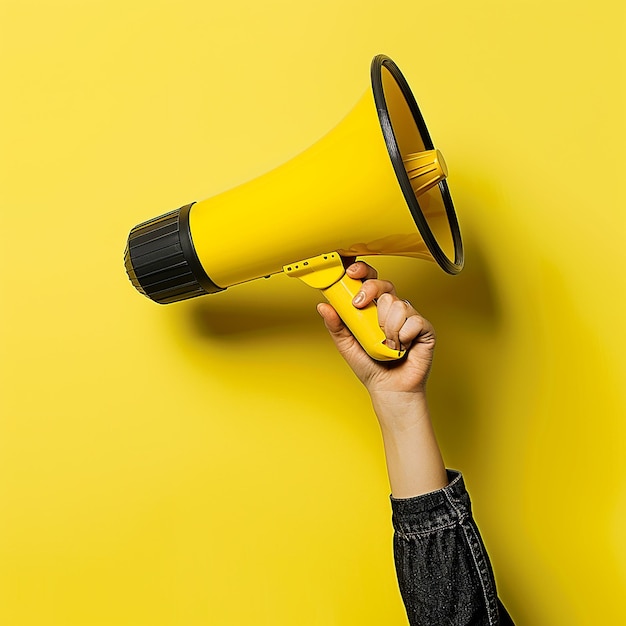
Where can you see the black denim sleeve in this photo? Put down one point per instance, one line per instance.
(443, 569)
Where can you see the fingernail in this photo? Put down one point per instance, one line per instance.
(391, 344)
(358, 298)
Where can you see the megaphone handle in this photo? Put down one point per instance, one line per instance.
(363, 323)
(327, 273)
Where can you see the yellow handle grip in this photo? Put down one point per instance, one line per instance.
(326, 272)
(363, 323)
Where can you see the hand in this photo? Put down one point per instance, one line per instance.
(397, 388)
(404, 328)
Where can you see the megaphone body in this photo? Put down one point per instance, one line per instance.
(374, 185)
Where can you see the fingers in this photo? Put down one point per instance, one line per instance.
(372, 287)
(416, 327)
(392, 316)
(361, 270)
(398, 319)
(401, 323)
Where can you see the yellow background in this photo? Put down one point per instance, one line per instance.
(214, 462)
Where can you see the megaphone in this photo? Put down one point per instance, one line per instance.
(374, 185)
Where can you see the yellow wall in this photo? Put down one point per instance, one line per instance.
(170, 465)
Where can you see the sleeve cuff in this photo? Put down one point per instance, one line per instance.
(432, 511)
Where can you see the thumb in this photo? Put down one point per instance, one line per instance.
(343, 338)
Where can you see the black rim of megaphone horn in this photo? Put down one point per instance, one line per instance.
(452, 267)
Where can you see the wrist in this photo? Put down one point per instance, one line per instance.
(398, 411)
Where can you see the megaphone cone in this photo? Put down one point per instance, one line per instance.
(346, 196)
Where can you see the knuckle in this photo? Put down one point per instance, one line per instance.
(387, 286)
(386, 300)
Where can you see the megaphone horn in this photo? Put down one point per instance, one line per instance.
(345, 196)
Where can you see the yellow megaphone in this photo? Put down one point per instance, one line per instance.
(374, 185)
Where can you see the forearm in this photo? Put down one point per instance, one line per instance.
(414, 462)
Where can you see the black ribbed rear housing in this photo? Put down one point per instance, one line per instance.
(161, 261)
